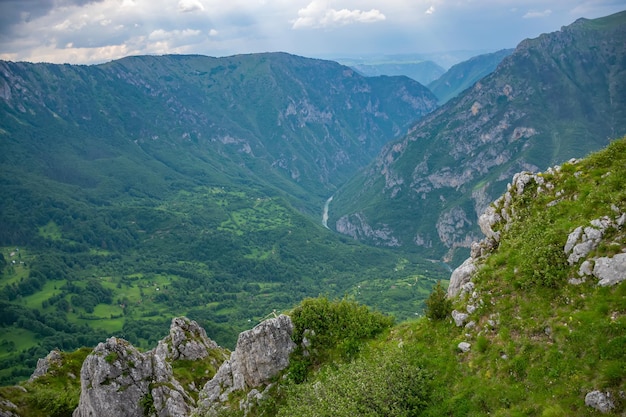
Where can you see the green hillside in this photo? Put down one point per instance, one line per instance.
(538, 343)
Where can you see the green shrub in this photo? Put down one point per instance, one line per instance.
(334, 329)
(390, 383)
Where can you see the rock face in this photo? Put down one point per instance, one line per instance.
(118, 380)
(260, 354)
(187, 340)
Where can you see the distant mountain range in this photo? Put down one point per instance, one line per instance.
(556, 97)
(423, 71)
(277, 117)
(463, 75)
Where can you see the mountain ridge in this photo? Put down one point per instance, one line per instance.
(556, 97)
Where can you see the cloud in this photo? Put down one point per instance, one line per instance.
(319, 14)
(187, 6)
(535, 14)
(430, 10)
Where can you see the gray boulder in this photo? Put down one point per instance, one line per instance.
(459, 318)
(610, 271)
(464, 347)
(461, 276)
(600, 401)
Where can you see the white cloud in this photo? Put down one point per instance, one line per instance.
(536, 14)
(186, 6)
(319, 14)
(430, 10)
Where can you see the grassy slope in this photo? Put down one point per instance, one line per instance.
(550, 342)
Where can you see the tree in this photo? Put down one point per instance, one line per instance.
(438, 306)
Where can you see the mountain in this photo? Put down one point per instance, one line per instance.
(463, 75)
(155, 186)
(423, 72)
(555, 97)
(536, 326)
(281, 117)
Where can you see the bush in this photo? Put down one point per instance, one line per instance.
(335, 330)
(390, 383)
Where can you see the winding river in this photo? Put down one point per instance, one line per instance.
(325, 213)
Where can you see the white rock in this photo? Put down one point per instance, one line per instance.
(464, 347)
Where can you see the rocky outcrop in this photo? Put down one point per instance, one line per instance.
(187, 340)
(358, 228)
(8, 409)
(496, 218)
(584, 240)
(119, 380)
(261, 353)
(43, 364)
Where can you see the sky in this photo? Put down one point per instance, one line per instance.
(96, 31)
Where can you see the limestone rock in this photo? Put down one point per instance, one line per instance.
(187, 340)
(487, 220)
(610, 271)
(43, 364)
(114, 379)
(600, 401)
(461, 276)
(118, 380)
(260, 354)
(8, 409)
(459, 318)
(464, 347)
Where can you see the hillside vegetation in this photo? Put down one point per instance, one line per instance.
(539, 339)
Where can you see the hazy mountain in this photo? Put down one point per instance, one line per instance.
(424, 71)
(556, 97)
(463, 75)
